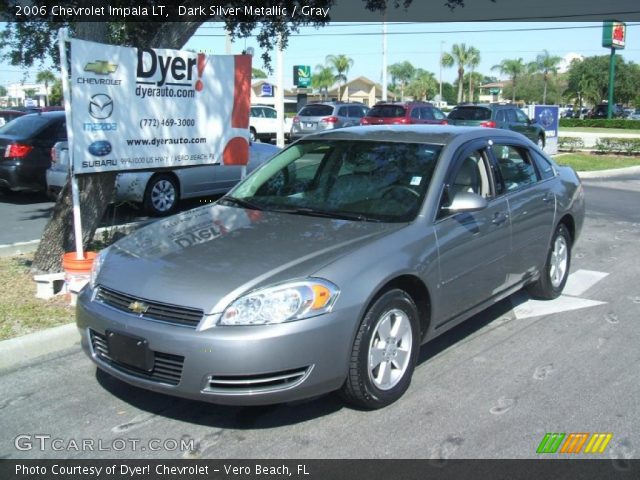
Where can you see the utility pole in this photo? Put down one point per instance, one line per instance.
(384, 61)
(280, 94)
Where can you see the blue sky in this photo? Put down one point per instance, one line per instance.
(493, 39)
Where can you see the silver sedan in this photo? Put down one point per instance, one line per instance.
(329, 266)
(160, 192)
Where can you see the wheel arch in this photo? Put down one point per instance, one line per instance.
(568, 221)
(418, 292)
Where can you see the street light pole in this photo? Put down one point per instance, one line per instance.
(440, 62)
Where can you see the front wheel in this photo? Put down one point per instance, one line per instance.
(541, 142)
(556, 270)
(161, 195)
(384, 353)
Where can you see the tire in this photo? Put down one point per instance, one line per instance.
(554, 276)
(161, 196)
(253, 136)
(369, 385)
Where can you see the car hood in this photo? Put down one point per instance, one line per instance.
(206, 257)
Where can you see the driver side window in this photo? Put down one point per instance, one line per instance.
(471, 175)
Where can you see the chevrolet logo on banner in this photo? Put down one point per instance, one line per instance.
(573, 443)
(101, 67)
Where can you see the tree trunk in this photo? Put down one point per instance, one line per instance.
(96, 191)
(544, 92)
(513, 94)
(460, 85)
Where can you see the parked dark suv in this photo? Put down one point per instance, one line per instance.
(25, 149)
(496, 115)
(401, 113)
(318, 117)
(601, 111)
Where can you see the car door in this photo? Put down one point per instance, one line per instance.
(523, 125)
(474, 248)
(532, 204)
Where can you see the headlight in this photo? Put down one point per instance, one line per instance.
(97, 265)
(282, 303)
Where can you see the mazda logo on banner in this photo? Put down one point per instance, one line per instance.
(101, 106)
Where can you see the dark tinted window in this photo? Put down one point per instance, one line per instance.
(26, 126)
(522, 118)
(501, 116)
(437, 114)
(316, 111)
(426, 113)
(357, 112)
(515, 167)
(342, 112)
(470, 113)
(387, 111)
(511, 116)
(544, 166)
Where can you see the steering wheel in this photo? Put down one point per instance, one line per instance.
(391, 188)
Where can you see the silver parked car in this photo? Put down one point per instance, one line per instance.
(160, 192)
(330, 265)
(318, 117)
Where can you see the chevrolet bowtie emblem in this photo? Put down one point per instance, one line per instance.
(100, 67)
(138, 307)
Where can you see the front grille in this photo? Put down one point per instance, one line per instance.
(161, 312)
(268, 382)
(167, 368)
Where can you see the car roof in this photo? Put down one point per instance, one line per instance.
(434, 134)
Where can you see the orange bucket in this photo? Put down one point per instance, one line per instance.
(77, 272)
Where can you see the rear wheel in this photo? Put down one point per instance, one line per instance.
(384, 352)
(161, 195)
(253, 137)
(556, 270)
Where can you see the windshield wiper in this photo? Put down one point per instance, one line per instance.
(312, 212)
(241, 202)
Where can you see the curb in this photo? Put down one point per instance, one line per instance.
(19, 248)
(20, 350)
(615, 172)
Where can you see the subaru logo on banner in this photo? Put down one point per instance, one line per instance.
(267, 90)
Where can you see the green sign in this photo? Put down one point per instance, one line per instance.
(613, 34)
(494, 91)
(302, 76)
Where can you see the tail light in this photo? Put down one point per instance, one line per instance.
(364, 121)
(488, 124)
(17, 150)
(444, 122)
(296, 119)
(401, 121)
(329, 120)
(54, 157)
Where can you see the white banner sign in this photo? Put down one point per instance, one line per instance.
(137, 109)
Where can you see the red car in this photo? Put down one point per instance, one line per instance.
(404, 113)
(7, 115)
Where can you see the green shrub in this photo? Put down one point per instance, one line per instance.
(629, 146)
(601, 123)
(570, 143)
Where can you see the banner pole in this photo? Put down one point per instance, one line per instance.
(63, 39)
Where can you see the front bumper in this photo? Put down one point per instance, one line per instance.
(250, 365)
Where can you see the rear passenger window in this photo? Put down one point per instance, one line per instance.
(342, 112)
(515, 168)
(544, 166)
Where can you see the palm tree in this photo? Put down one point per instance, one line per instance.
(513, 68)
(341, 65)
(322, 78)
(460, 56)
(423, 85)
(401, 73)
(472, 63)
(545, 64)
(46, 77)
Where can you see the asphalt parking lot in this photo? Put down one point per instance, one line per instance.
(490, 388)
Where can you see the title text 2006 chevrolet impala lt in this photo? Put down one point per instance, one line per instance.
(330, 265)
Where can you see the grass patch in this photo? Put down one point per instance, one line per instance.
(20, 311)
(585, 162)
(598, 130)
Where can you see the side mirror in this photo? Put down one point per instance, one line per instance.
(466, 202)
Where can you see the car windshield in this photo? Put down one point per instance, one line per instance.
(25, 126)
(387, 111)
(363, 180)
(316, 111)
(470, 113)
